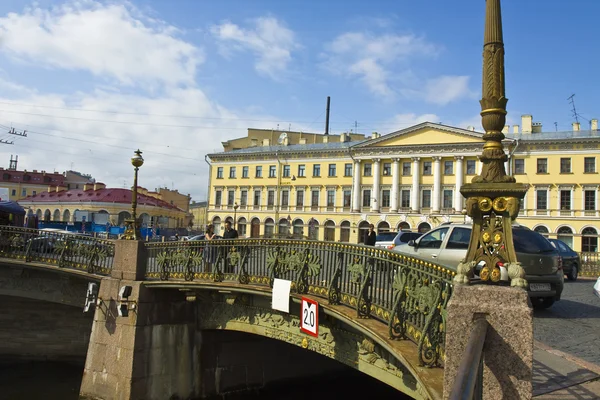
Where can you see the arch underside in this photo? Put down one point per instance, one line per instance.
(337, 339)
(43, 285)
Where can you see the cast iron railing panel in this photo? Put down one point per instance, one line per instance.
(408, 294)
(65, 250)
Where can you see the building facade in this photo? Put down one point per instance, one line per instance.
(409, 179)
(198, 211)
(101, 205)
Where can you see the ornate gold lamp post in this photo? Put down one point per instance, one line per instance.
(133, 230)
(493, 197)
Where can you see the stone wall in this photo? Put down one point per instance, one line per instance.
(39, 330)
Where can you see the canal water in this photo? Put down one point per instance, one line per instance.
(56, 381)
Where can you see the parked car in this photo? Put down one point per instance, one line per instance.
(447, 245)
(570, 259)
(201, 237)
(389, 240)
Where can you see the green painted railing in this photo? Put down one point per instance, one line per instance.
(56, 248)
(408, 294)
(590, 264)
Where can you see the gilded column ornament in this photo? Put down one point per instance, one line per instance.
(493, 197)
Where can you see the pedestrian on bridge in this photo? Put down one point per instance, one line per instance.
(210, 252)
(370, 236)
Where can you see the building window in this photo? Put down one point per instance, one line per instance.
(542, 165)
(23, 192)
(317, 170)
(347, 198)
(270, 198)
(565, 165)
(300, 198)
(519, 166)
(257, 197)
(589, 240)
(218, 195)
(244, 198)
(347, 169)
(387, 169)
(230, 198)
(385, 198)
(34, 192)
(272, 171)
(259, 171)
(471, 167)
(314, 201)
(219, 174)
(286, 171)
(426, 167)
(232, 172)
(366, 198)
(426, 198)
(405, 199)
(302, 170)
(406, 169)
(285, 198)
(589, 202)
(589, 165)
(367, 169)
(448, 167)
(565, 199)
(244, 172)
(331, 169)
(542, 200)
(330, 198)
(448, 195)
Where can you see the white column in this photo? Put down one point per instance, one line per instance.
(458, 199)
(356, 187)
(437, 183)
(414, 195)
(395, 184)
(375, 190)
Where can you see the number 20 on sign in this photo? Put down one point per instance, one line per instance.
(309, 317)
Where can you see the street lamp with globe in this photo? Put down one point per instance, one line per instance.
(132, 232)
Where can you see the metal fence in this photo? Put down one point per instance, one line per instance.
(57, 248)
(590, 264)
(408, 294)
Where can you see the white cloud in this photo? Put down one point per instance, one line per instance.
(113, 41)
(269, 40)
(371, 57)
(445, 89)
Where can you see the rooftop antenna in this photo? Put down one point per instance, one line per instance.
(571, 99)
(327, 116)
(556, 126)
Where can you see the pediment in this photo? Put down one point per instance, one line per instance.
(425, 134)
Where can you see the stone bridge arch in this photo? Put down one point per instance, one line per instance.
(360, 344)
(66, 287)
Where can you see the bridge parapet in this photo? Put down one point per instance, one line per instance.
(64, 250)
(408, 294)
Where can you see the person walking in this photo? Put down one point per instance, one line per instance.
(210, 252)
(370, 236)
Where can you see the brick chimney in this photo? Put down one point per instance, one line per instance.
(576, 126)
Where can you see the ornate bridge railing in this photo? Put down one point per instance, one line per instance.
(408, 294)
(56, 248)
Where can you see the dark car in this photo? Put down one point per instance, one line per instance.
(570, 259)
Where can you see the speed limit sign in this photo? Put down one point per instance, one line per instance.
(309, 317)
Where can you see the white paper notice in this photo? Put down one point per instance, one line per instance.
(281, 295)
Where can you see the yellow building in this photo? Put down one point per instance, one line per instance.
(198, 211)
(102, 205)
(409, 179)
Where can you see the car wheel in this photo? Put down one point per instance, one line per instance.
(573, 274)
(540, 303)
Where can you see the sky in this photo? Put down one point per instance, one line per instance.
(91, 81)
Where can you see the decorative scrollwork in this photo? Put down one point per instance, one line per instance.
(334, 287)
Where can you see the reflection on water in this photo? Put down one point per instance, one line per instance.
(57, 381)
(40, 380)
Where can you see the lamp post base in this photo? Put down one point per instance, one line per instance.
(132, 230)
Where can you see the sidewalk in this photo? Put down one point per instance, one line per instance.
(561, 376)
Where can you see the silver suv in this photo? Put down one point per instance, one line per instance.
(447, 245)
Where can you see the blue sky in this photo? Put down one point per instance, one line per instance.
(91, 81)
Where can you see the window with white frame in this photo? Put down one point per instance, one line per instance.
(218, 200)
(471, 167)
(541, 199)
(285, 198)
(447, 197)
(589, 200)
(589, 165)
(299, 198)
(406, 168)
(387, 169)
(230, 198)
(366, 201)
(519, 166)
(301, 170)
(565, 199)
(405, 198)
(385, 198)
(219, 172)
(244, 172)
(448, 167)
(426, 198)
(347, 198)
(232, 172)
(330, 198)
